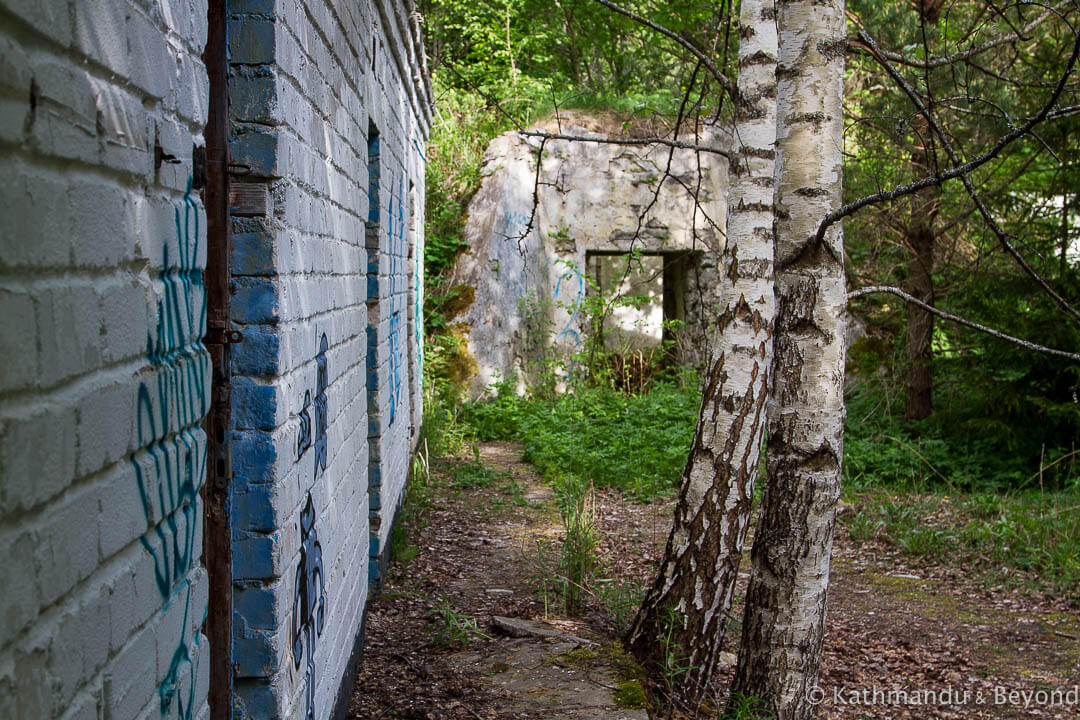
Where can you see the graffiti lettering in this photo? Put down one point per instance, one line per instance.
(303, 438)
(181, 658)
(176, 468)
(321, 381)
(309, 601)
(397, 249)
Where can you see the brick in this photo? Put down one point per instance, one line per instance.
(18, 329)
(67, 548)
(254, 300)
(257, 149)
(129, 683)
(34, 210)
(48, 17)
(18, 578)
(37, 457)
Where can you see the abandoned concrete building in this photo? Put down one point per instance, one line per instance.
(211, 247)
(606, 221)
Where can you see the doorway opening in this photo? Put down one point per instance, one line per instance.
(646, 308)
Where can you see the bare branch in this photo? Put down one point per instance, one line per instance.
(968, 185)
(1034, 347)
(931, 63)
(626, 141)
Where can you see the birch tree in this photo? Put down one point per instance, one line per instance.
(785, 605)
(685, 612)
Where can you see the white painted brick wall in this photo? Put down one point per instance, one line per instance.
(99, 618)
(101, 450)
(302, 85)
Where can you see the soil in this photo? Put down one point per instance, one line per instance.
(904, 639)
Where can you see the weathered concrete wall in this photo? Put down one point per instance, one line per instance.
(529, 283)
(104, 379)
(328, 116)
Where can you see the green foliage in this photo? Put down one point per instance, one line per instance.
(946, 494)
(469, 474)
(994, 401)
(745, 707)
(577, 556)
(1037, 533)
(449, 626)
(620, 599)
(634, 443)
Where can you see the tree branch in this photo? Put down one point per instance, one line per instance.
(931, 63)
(975, 197)
(1035, 347)
(705, 59)
(626, 141)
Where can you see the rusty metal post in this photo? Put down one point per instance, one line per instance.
(217, 549)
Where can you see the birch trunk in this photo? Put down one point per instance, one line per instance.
(701, 562)
(785, 605)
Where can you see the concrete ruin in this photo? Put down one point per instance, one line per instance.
(605, 218)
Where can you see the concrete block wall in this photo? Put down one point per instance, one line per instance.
(321, 402)
(104, 379)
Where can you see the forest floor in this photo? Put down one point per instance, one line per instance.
(904, 639)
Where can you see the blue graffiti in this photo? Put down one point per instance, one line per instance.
(418, 315)
(303, 437)
(309, 601)
(177, 402)
(396, 235)
(182, 656)
(321, 381)
(179, 468)
(574, 305)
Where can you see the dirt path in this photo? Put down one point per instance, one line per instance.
(480, 551)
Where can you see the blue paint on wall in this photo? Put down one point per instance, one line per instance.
(180, 662)
(171, 469)
(254, 301)
(251, 253)
(257, 355)
(257, 149)
(253, 458)
(251, 40)
(254, 406)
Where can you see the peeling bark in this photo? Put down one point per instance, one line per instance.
(701, 562)
(785, 608)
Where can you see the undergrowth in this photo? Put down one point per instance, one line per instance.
(634, 443)
(933, 492)
(951, 497)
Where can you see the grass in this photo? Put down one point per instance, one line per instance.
(942, 496)
(948, 498)
(449, 626)
(1027, 536)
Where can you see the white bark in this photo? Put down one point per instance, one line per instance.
(700, 566)
(785, 615)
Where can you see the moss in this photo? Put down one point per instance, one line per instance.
(461, 366)
(630, 695)
(459, 299)
(581, 657)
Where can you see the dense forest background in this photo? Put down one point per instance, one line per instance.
(956, 441)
